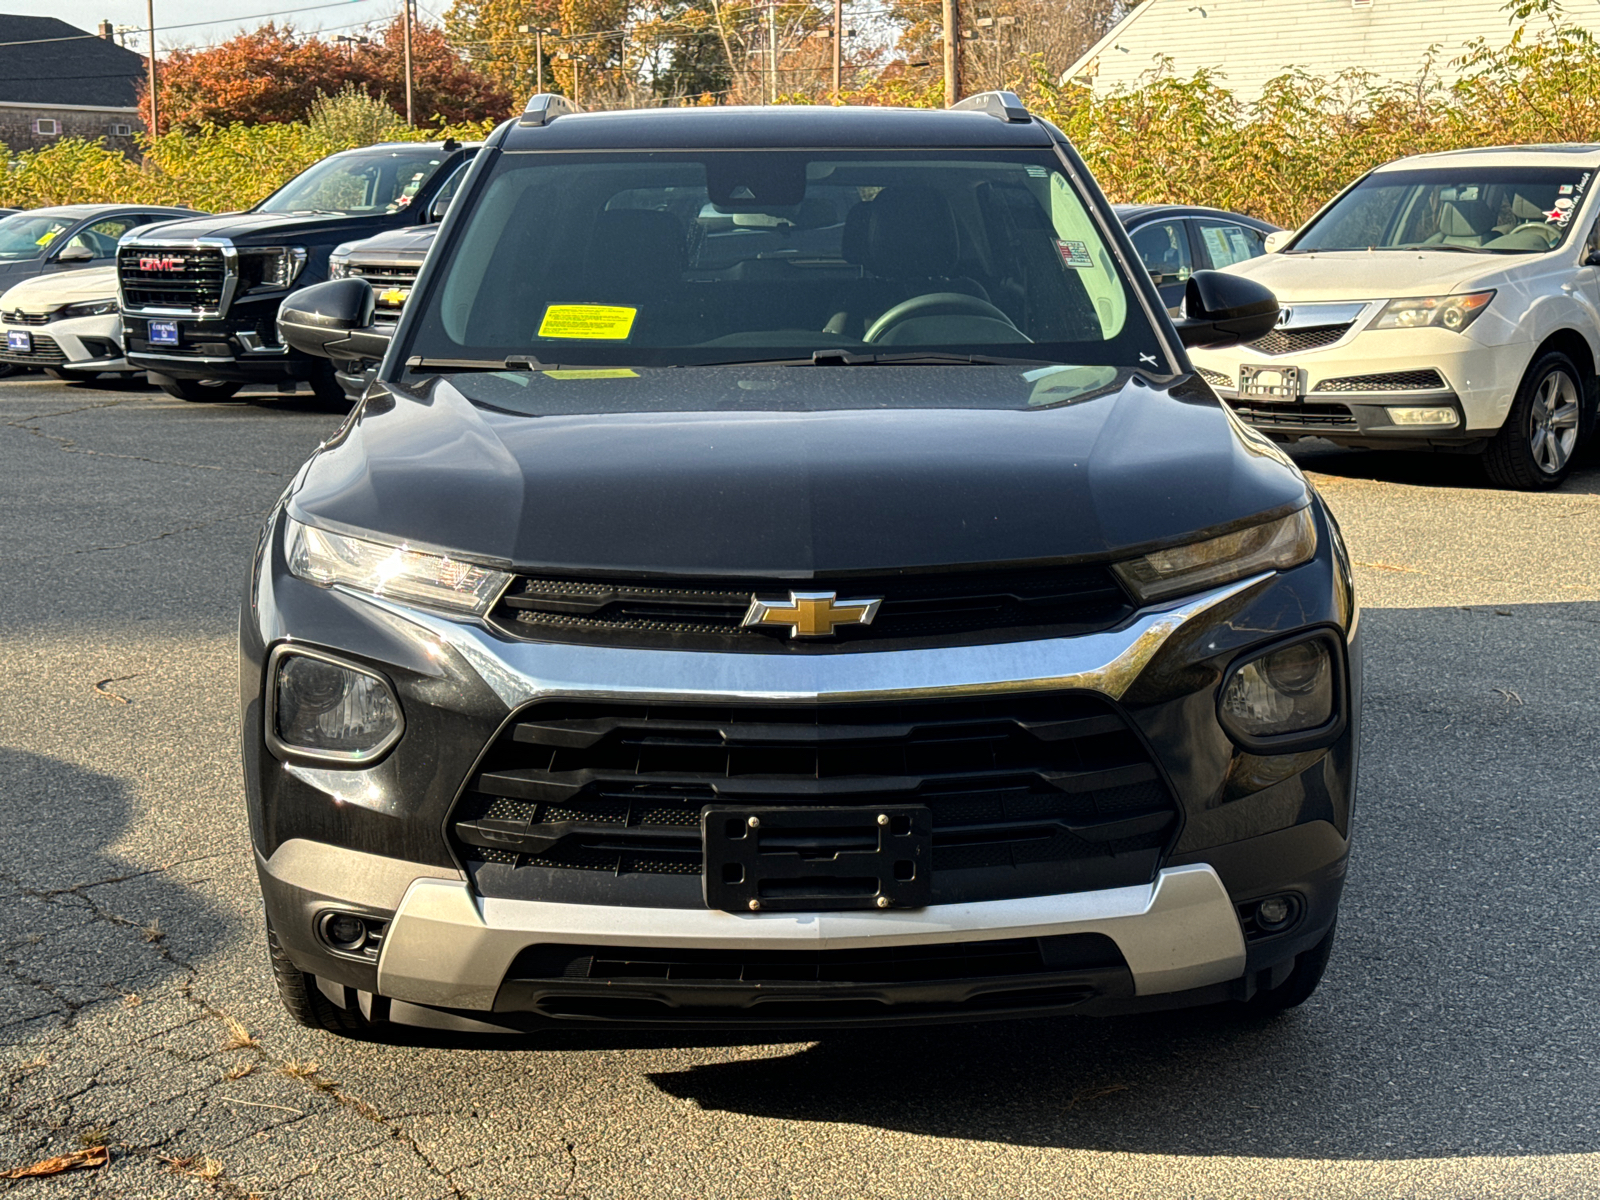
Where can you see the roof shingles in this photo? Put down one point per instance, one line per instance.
(59, 63)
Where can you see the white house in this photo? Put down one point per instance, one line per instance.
(1249, 42)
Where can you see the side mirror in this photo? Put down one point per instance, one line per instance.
(332, 320)
(440, 206)
(1592, 259)
(1277, 241)
(75, 254)
(1224, 310)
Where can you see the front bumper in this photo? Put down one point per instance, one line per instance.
(78, 344)
(241, 346)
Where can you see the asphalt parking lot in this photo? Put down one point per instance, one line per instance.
(1453, 1051)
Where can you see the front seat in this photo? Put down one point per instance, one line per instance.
(1462, 223)
(907, 240)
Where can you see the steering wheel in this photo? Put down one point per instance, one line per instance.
(934, 304)
(1551, 234)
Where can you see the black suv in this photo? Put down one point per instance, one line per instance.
(199, 297)
(786, 572)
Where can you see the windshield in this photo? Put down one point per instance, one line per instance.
(1494, 210)
(27, 236)
(694, 258)
(371, 182)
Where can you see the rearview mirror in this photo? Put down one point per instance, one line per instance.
(75, 254)
(1277, 241)
(332, 320)
(1224, 310)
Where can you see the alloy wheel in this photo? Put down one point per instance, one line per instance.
(1553, 422)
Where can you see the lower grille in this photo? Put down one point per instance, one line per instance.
(1301, 416)
(1028, 796)
(1394, 381)
(1297, 341)
(45, 353)
(1215, 378)
(708, 613)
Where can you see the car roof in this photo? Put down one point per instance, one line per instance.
(79, 211)
(777, 127)
(1558, 155)
(1133, 214)
(439, 146)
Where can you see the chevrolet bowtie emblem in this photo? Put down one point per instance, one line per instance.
(811, 614)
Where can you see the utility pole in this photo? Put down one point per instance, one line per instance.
(538, 32)
(155, 123)
(772, 53)
(406, 4)
(952, 53)
(838, 45)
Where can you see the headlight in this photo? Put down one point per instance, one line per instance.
(1454, 313)
(319, 706)
(397, 572)
(94, 308)
(1289, 690)
(339, 260)
(269, 268)
(1275, 545)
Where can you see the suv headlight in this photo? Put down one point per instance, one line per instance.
(396, 572)
(93, 308)
(1285, 697)
(323, 707)
(1454, 313)
(339, 260)
(269, 268)
(1274, 545)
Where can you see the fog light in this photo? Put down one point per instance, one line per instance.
(344, 931)
(1442, 418)
(1284, 691)
(1275, 913)
(328, 709)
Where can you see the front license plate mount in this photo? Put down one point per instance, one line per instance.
(1282, 385)
(817, 859)
(19, 341)
(163, 333)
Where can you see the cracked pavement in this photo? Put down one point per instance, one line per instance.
(1451, 1052)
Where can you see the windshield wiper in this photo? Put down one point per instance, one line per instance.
(517, 362)
(834, 357)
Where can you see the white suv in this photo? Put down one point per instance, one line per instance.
(1448, 302)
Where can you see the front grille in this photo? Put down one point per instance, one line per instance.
(18, 317)
(1215, 378)
(1394, 381)
(1028, 795)
(1301, 416)
(1298, 341)
(387, 279)
(708, 613)
(194, 283)
(45, 353)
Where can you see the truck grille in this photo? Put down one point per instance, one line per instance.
(707, 613)
(1026, 793)
(386, 280)
(45, 353)
(190, 279)
(1298, 341)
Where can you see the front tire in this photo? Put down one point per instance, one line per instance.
(198, 391)
(306, 1004)
(1535, 448)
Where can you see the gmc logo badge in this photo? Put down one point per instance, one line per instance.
(165, 263)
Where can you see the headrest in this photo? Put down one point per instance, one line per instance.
(1463, 218)
(635, 244)
(1524, 209)
(910, 234)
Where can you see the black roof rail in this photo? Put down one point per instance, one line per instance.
(544, 107)
(1007, 106)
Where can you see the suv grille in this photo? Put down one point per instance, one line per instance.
(1301, 416)
(1215, 378)
(1023, 791)
(1075, 599)
(1394, 381)
(194, 284)
(387, 277)
(1298, 341)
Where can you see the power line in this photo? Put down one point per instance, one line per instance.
(287, 12)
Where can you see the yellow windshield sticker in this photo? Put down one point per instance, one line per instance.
(49, 237)
(595, 373)
(595, 322)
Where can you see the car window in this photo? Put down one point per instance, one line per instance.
(1163, 247)
(372, 181)
(1227, 243)
(100, 239)
(684, 258)
(27, 235)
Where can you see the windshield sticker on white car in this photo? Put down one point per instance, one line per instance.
(1571, 195)
(1566, 189)
(1075, 254)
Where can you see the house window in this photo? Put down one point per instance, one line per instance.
(121, 130)
(46, 126)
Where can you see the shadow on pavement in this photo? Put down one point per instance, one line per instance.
(1422, 469)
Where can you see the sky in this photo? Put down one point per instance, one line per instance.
(197, 23)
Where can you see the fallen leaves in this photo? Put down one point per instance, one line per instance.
(90, 1156)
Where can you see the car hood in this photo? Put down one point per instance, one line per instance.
(413, 239)
(794, 472)
(1367, 274)
(46, 293)
(262, 226)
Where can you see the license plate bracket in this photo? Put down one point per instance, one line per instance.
(817, 859)
(163, 333)
(19, 341)
(1279, 384)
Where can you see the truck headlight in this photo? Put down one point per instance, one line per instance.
(324, 708)
(397, 572)
(1284, 694)
(1454, 313)
(1273, 545)
(339, 260)
(269, 268)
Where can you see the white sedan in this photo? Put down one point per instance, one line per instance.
(65, 323)
(1447, 302)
